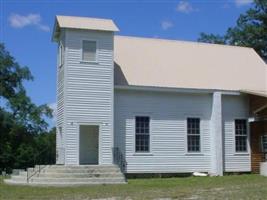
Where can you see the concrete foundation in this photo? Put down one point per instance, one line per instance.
(263, 168)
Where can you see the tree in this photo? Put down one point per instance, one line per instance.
(250, 30)
(46, 145)
(211, 38)
(22, 122)
(14, 93)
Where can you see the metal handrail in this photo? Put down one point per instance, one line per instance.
(119, 159)
(39, 165)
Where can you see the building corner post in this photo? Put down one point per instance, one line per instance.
(216, 135)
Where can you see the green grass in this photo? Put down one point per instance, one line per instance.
(227, 187)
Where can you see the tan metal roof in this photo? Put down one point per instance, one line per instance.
(83, 23)
(178, 64)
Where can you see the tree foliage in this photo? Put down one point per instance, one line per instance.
(250, 30)
(23, 129)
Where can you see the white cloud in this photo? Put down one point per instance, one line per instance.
(20, 21)
(165, 25)
(44, 28)
(53, 106)
(239, 3)
(184, 7)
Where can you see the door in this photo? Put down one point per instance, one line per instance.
(89, 140)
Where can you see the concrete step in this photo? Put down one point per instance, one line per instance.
(19, 178)
(74, 175)
(82, 167)
(70, 175)
(79, 175)
(66, 181)
(15, 182)
(74, 180)
(63, 184)
(49, 170)
(60, 175)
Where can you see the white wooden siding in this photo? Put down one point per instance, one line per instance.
(89, 92)
(168, 113)
(216, 135)
(60, 141)
(234, 107)
(85, 92)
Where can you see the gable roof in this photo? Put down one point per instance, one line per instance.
(178, 64)
(83, 23)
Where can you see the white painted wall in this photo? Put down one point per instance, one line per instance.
(216, 135)
(88, 93)
(85, 96)
(168, 113)
(234, 107)
(60, 137)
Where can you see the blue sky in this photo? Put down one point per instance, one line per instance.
(26, 27)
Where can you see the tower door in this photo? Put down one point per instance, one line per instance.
(89, 144)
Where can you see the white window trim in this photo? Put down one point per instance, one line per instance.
(61, 56)
(247, 152)
(97, 51)
(148, 153)
(192, 153)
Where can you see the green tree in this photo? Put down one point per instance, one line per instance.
(21, 121)
(13, 92)
(250, 30)
(46, 145)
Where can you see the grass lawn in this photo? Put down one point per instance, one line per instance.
(227, 187)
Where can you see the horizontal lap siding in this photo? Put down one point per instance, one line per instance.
(168, 113)
(89, 92)
(60, 143)
(60, 96)
(234, 107)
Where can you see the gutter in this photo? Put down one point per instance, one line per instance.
(177, 90)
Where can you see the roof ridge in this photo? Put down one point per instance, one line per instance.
(184, 41)
(84, 17)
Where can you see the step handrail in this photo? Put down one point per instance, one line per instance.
(119, 159)
(39, 165)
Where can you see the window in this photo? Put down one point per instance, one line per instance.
(142, 134)
(240, 135)
(89, 51)
(193, 134)
(61, 55)
(60, 131)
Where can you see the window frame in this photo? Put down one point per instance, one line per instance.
(61, 52)
(186, 136)
(149, 135)
(96, 52)
(247, 136)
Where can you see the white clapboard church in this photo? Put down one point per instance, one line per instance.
(135, 106)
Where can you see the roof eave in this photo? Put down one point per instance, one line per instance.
(56, 31)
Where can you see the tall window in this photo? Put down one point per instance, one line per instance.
(240, 135)
(193, 134)
(89, 51)
(61, 55)
(142, 134)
